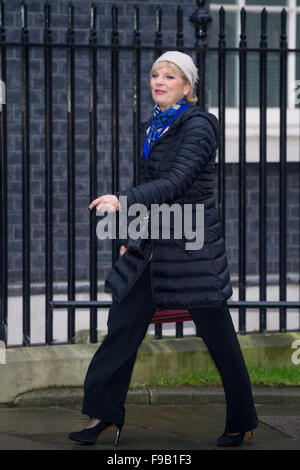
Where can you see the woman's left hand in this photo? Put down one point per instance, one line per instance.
(106, 203)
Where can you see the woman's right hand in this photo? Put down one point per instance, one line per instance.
(123, 248)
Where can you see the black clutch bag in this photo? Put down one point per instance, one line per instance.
(131, 264)
(127, 270)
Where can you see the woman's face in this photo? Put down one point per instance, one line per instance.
(167, 87)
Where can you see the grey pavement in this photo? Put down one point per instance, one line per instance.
(188, 418)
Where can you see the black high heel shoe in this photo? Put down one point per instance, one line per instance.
(234, 440)
(90, 435)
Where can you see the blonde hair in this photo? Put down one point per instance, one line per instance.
(190, 97)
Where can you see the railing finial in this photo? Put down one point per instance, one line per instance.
(201, 18)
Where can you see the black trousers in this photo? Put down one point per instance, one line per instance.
(109, 373)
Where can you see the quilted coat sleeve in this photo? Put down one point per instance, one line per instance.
(143, 179)
(198, 145)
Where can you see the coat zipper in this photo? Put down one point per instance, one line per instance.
(151, 242)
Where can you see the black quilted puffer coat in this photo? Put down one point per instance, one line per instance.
(180, 169)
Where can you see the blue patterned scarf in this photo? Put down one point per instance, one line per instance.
(160, 120)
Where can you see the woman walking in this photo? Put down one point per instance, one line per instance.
(177, 166)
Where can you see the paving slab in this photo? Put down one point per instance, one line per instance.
(147, 427)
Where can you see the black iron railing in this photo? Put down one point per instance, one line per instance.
(200, 20)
